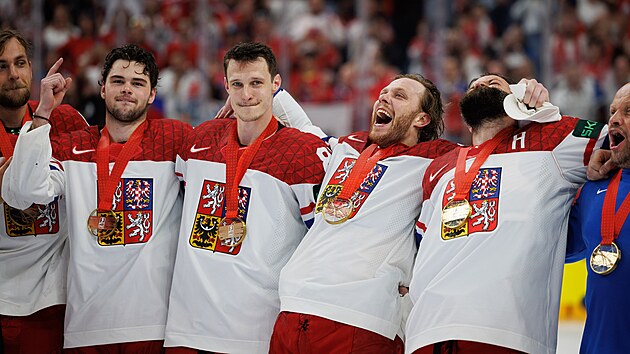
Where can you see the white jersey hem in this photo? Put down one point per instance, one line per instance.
(12, 309)
(212, 344)
(113, 336)
(492, 336)
(340, 314)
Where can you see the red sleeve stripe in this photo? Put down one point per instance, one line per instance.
(588, 151)
(307, 209)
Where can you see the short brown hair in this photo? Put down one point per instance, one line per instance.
(7, 34)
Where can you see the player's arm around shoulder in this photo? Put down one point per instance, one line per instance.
(576, 245)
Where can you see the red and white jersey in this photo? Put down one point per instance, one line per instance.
(118, 285)
(33, 255)
(225, 299)
(350, 272)
(497, 278)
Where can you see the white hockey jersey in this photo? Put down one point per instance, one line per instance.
(225, 299)
(497, 278)
(33, 255)
(350, 272)
(118, 286)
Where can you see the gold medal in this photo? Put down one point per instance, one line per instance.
(232, 231)
(24, 217)
(337, 211)
(456, 213)
(605, 258)
(102, 224)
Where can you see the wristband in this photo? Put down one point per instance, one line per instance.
(41, 117)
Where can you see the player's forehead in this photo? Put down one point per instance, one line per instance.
(12, 50)
(491, 80)
(241, 70)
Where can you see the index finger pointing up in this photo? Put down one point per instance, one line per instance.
(53, 69)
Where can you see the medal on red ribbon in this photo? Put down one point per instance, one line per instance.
(457, 211)
(606, 256)
(339, 209)
(232, 228)
(103, 222)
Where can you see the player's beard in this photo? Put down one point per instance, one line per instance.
(621, 157)
(481, 105)
(127, 116)
(11, 97)
(396, 132)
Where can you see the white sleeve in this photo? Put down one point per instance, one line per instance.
(290, 113)
(33, 176)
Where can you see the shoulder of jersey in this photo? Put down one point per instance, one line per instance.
(299, 139)
(78, 144)
(432, 149)
(169, 126)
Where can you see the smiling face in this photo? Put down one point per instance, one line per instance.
(15, 75)
(619, 127)
(396, 116)
(251, 88)
(127, 91)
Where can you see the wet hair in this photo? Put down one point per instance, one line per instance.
(248, 52)
(507, 79)
(7, 34)
(431, 104)
(130, 53)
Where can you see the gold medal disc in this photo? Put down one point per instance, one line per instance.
(232, 231)
(337, 211)
(102, 224)
(605, 258)
(456, 213)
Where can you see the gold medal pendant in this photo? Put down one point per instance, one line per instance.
(232, 231)
(337, 211)
(605, 258)
(102, 224)
(24, 217)
(456, 213)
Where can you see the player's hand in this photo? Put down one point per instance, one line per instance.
(3, 167)
(403, 290)
(600, 165)
(226, 111)
(52, 90)
(535, 93)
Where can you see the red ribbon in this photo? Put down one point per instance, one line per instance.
(107, 182)
(611, 221)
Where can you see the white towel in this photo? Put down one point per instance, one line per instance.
(516, 109)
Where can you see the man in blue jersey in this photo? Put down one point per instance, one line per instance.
(598, 232)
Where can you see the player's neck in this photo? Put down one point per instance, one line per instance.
(119, 132)
(12, 117)
(249, 131)
(488, 130)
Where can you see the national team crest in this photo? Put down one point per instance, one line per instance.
(133, 206)
(484, 200)
(42, 219)
(210, 212)
(338, 179)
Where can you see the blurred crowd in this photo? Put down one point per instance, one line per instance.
(333, 51)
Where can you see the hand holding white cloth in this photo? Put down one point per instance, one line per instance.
(516, 109)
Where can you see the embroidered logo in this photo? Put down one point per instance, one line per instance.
(210, 212)
(484, 200)
(334, 186)
(45, 220)
(133, 206)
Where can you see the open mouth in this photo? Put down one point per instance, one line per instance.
(383, 117)
(616, 138)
